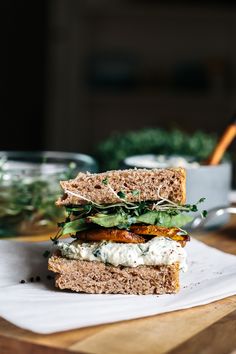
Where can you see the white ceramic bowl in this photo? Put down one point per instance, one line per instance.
(211, 182)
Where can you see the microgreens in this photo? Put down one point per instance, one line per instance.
(30, 198)
(123, 214)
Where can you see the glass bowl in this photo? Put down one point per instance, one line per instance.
(29, 187)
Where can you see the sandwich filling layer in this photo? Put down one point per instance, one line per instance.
(157, 251)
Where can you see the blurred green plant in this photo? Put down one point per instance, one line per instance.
(27, 203)
(112, 151)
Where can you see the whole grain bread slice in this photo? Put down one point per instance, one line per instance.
(135, 184)
(98, 278)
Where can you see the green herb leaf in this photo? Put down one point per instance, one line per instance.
(165, 219)
(204, 213)
(74, 226)
(109, 220)
(194, 208)
(121, 195)
(125, 220)
(105, 181)
(135, 192)
(179, 220)
(148, 218)
(87, 208)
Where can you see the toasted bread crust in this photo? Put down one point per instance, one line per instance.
(182, 172)
(102, 188)
(98, 278)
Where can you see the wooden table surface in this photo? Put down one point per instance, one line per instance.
(201, 330)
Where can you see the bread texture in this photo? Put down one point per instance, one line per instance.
(136, 184)
(98, 278)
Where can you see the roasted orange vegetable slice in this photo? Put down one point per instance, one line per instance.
(153, 230)
(114, 235)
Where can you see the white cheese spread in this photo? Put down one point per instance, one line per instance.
(157, 251)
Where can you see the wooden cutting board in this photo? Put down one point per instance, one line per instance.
(203, 330)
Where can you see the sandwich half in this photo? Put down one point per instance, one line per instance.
(127, 232)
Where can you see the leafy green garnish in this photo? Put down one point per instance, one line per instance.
(74, 226)
(152, 218)
(148, 218)
(122, 216)
(109, 220)
(161, 218)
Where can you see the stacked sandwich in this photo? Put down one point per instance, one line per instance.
(127, 231)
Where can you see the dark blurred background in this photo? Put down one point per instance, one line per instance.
(75, 71)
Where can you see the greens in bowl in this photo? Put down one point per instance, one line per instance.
(29, 186)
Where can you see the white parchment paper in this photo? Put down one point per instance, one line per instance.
(41, 308)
